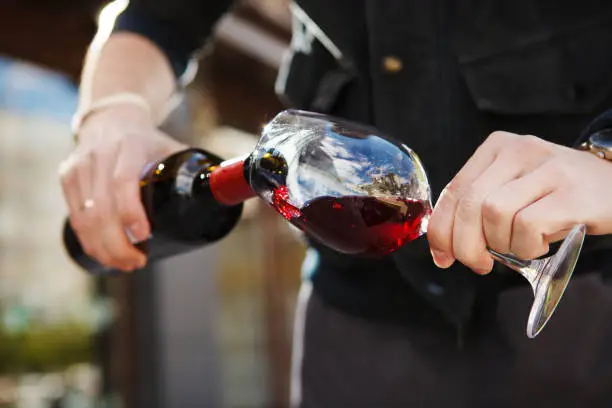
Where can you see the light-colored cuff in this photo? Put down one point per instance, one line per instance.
(121, 98)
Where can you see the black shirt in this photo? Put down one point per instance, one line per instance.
(439, 75)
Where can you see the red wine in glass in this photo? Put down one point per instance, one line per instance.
(357, 225)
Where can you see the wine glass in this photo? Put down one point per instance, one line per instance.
(363, 193)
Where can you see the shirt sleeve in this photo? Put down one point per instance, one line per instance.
(178, 27)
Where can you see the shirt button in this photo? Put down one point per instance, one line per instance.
(392, 64)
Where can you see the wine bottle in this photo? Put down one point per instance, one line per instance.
(180, 206)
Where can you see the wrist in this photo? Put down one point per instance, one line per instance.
(120, 114)
(121, 107)
(113, 120)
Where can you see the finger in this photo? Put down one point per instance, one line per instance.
(538, 222)
(469, 241)
(557, 236)
(118, 249)
(75, 174)
(502, 206)
(67, 172)
(126, 189)
(440, 228)
(89, 220)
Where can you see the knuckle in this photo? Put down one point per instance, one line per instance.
(526, 144)
(468, 203)
(534, 145)
(450, 195)
(523, 222)
(521, 147)
(451, 192)
(470, 196)
(499, 136)
(64, 169)
(494, 210)
(67, 170)
(67, 178)
(531, 141)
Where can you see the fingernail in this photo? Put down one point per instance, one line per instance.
(137, 233)
(481, 271)
(442, 259)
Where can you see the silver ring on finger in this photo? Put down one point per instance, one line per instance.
(88, 204)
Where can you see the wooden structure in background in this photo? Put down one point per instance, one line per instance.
(239, 82)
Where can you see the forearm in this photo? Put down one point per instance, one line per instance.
(127, 62)
(149, 48)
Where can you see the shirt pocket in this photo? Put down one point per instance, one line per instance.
(568, 71)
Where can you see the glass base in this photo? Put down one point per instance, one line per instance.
(554, 274)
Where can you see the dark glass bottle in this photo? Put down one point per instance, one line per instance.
(182, 209)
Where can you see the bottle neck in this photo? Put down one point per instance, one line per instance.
(229, 181)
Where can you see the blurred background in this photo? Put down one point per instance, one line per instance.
(208, 329)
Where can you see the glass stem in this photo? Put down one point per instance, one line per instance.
(531, 270)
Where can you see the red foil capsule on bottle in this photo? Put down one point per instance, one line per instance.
(228, 183)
